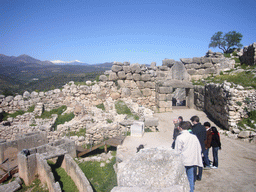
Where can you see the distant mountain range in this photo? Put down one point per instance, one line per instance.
(21, 73)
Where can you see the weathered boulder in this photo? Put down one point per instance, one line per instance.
(115, 96)
(156, 168)
(116, 68)
(103, 78)
(146, 92)
(244, 134)
(151, 121)
(26, 94)
(135, 68)
(112, 76)
(145, 77)
(136, 76)
(126, 92)
(121, 75)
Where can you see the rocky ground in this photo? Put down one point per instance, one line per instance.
(237, 159)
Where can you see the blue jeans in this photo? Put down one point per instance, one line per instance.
(215, 156)
(190, 175)
(206, 157)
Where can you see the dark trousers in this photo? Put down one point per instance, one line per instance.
(198, 171)
(215, 156)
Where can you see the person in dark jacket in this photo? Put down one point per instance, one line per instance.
(207, 143)
(216, 145)
(199, 130)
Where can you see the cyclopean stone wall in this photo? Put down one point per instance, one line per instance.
(226, 103)
(249, 55)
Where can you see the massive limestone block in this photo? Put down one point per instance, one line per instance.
(129, 76)
(192, 66)
(186, 60)
(149, 84)
(126, 92)
(136, 76)
(140, 84)
(145, 77)
(207, 65)
(191, 71)
(168, 62)
(206, 60)
(130, 83)
(215, 60)
(135, 68)
(26, 94)
(165, 90)
(196, 59)
(179, 72)
(121, 75)
(103, 78)
(112, 77)
(127, 69)
(116, 68)
(34, 94)
(156, 168)
(118, 63)
(115, 96)
(8, 99)
(136, 93)
(210, 70)
(17, 98)
(151, 121)
(146, 92)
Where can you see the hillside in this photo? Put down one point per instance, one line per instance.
(18, 74)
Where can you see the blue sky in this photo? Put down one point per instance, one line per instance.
(139, 31)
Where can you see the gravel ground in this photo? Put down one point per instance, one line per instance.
(237, 159)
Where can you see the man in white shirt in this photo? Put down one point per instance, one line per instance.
(189, 147)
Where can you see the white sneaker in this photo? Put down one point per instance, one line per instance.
(214, 167)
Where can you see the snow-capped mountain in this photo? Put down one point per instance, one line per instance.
(75, 62)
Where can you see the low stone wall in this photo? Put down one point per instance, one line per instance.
(45, 174)
(74, 171)
(199, 94)
(22, 142)
(249, 55)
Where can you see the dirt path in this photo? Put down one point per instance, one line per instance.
(237, 159)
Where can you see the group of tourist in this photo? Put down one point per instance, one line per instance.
(193, 142)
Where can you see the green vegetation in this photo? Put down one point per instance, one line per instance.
(121, 108)
(250, 121)
(15, 114)
(239, 103)
(227, 42)
(148, 130)
(101, 106)
(31, 109)
(81, 132)
(103, 179)
(65, 181)
(61, 119)
(109, 121)
(245, 79)
(34, 187)
(48, 114)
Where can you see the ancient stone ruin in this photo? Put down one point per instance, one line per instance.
(145, 90)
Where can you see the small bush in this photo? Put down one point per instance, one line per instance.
(15, 114)
(221, 73)
(239, 103)
(109, 121)
(237, 60)
(234, 53)
(101, 106)
(148, 130)
(248, 121)
(227, 55)
(81, 132)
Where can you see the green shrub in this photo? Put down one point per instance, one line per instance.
(221, 73)
(234, 53)
(109, 121)
(101, 106)
(239, 103)
(148, 130)
(227, 55)
(237, 60)
(32, 125)
(60, 175)
(248, 121)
